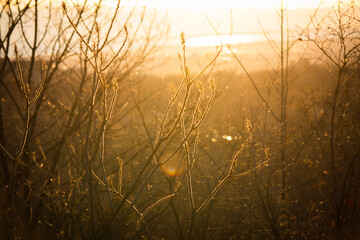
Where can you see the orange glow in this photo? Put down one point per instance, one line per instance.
(211, 4)
(175, 166)
(232, 4)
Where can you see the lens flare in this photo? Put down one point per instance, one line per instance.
(173, 166)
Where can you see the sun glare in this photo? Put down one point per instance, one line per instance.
(203, 41)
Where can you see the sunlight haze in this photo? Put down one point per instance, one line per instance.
(232, 4)
(246, 16)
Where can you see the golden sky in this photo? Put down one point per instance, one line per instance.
(245, 16)
(189, 15)
(232, 4)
